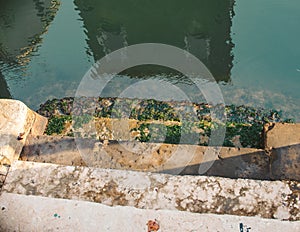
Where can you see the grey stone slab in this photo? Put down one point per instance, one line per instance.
(33, 213)
(198, 194)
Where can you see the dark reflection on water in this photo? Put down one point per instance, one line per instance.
(45, 59)
(21, 25)
(251, 47)
(200, 27)
(4, 92)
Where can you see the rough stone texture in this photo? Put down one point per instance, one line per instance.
(15, 119)
(232, 162)
(39, 125)
(52, 149)
(235, 163)
(267, 199)
(281, 134)
(2, 179)
(3, 173)
(4, 169)
(32, 213)
(282, 140)
(285, 163)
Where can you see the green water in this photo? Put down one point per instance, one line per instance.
(251, 47)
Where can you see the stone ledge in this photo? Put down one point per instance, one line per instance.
(49, 214)
(232, 162)
(281, 134)
(285, 162)
(198, 194)
(282, 141)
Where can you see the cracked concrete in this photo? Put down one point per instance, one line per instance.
(198, 194)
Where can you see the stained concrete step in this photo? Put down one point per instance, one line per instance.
(281, 135)
(198, 194)
(282, 141)
(35, 213)
(154, 157)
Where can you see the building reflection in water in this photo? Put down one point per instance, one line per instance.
(201, 27)
(21, 25)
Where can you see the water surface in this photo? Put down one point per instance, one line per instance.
(251, 47)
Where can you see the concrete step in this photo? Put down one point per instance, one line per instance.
(35, 213)
(282, 141)
(17, 121)
(153, 157)
(198, 194)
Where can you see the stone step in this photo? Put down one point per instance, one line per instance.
(282, 141)
(17, 121)
(281, 134)
(154, 157)
(198, 194)
(35, 213)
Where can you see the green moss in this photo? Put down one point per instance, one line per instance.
(159, 133)
(79, 121)
(173, 134)
(154, 110)
(242, 121)
(56, 124)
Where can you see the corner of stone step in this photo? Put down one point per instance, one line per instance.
(17, 121)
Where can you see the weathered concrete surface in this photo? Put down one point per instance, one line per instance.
(52, 149)
(232, 162)
(285, 163)
(16, 122)
(199, 194)
(32, 213)
(235, 163)
(2, 179)
(282, 140)
(39, 125)
(281, 134)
